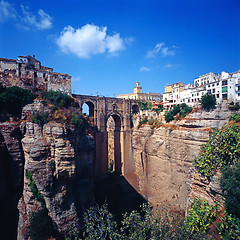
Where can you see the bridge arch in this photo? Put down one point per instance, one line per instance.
(114, 142)
(135, 108)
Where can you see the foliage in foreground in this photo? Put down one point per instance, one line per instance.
(140, 225)
(201, 215)
(229, 228)
(208, 101)
(222, 148)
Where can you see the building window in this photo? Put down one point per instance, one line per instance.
(213, 91)
(213, 84)
(224, 82)
(217, 84)
(224, 89)
(217, 95)
(208, 85)
(238, 88)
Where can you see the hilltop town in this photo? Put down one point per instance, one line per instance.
(27, 72)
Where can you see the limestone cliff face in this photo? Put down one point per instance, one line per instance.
(163, 158)
(49, 166)
(60, 161)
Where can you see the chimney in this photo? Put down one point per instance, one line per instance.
(33, 55)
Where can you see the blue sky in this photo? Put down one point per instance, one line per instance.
(108, 45)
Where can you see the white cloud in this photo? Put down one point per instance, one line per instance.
(7, 11)
(76, 78)
(169, 65)
(43, 21)
(89, 40)
(144, 69)
(162, 50)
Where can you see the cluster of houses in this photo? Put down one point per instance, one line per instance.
(225, 87)
(27, 72)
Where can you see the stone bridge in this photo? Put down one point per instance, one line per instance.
(100, 110)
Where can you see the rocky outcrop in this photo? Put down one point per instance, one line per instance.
(60, 161)
(162, 159)
(199, 186)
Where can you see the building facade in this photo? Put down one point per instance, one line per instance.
(27, 72)
(139, 95)
(225, 87)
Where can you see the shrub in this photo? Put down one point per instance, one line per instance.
(77, 120)
(41, 226)
(159, 109)
(235, 117)
(222, 148)
(185, 109)
(13, 99)
(229, 228)
(151, 121)
(201, 215)
(145, 105)
(57, 98)
(169, 116)
(99, 224)
(59, 116)
(39, 118)
(230, 185)
(176, 109)
(208, 101)
(36, 193)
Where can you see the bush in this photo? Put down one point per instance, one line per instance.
(57, 98)
(229, 228)
(13, 99)
(201, 215)
(176, 109)
(39, 118)
(222, 148)
(77, 120)
(185, 109)
(145, 105)
(230, 185)
(235, 117)
(169, 116)
(151, 121)
(208, 101)
(41, 226)
(99, 223)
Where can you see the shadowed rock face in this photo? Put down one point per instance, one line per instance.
(60, 162)
(11, 169)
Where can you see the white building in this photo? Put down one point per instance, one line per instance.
(139, 95)
(224, 86)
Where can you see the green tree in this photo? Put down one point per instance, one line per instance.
(230, 185)
(208, 101)
(169, 116)
(222, 148)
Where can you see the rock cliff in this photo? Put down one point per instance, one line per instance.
(48, 168)
(163, 157)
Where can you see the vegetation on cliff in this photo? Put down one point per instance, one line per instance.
(208, 101)
(13, 99)
(180, 110)
(222, 152)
